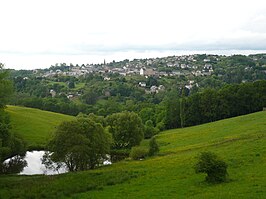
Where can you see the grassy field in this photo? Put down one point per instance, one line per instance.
(240, 141)
(33, 125)
(78, 86)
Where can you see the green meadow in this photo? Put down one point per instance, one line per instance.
(33, 125)
(240, 142)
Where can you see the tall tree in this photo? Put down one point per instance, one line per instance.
(172, 118)
(5, 87)
(9, 144)
(182, 107)
(81, 144)
(127, 129)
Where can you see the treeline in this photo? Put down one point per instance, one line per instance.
(212, 105)
(58, 105)
(173, 109)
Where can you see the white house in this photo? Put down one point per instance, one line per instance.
(53, 93)
(142, 84)
(142, 71)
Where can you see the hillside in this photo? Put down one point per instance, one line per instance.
(239, 141)
(33, 125)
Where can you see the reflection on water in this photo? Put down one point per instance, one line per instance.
(13, 165)
(35, 166)
(32, 163)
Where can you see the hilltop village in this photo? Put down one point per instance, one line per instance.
(168, 66)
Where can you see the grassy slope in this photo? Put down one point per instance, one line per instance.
(34, 125)
(78, 86)
(240, 141)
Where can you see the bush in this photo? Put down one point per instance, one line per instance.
(154, 148)
(213, 166)
(160, 126)
(149, 129)
(149, 132)
(138, 152)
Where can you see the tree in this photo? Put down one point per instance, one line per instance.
(9, 144)
(182, 115)
(172, 106)
(5, 87)
(213, 166)
(149, 129)
(147, 113)
(90, 96)
(126, 128)
(138, 152)
(81, 144)
(154, 147)
(71, 84)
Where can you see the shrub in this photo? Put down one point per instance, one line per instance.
(213, 166)
(160, 126)
(138, 152)
(149, 130)
(154, 148)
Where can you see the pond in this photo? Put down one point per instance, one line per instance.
(35, 166)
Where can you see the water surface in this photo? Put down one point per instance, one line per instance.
(35, 166)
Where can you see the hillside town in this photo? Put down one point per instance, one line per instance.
(168, 66)
(188, 70)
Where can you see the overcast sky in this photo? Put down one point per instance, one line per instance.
(39, 33)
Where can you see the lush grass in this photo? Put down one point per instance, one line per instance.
(33, 125)
(240, 141)
(78, 86)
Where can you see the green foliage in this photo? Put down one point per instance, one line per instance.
(149, 130)
(230, 101)
(152, 81)
(93, 117)
(138, 152)
(241, 141)
(213, 166)
(10, 145)
(146, 114)
(160, 126)
(60, 104)
(126, 128)
(6, 88)
(81, 144)
(71, 84)
(90, 96)
(172, 106)
(15, 165)
(153, 147)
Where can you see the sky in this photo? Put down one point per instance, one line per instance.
(39, 33)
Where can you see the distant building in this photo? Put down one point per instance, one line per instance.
(154, 89)
(142, 84)
(146, 72)
(53, 93)
(161, 88)
(141, 72)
